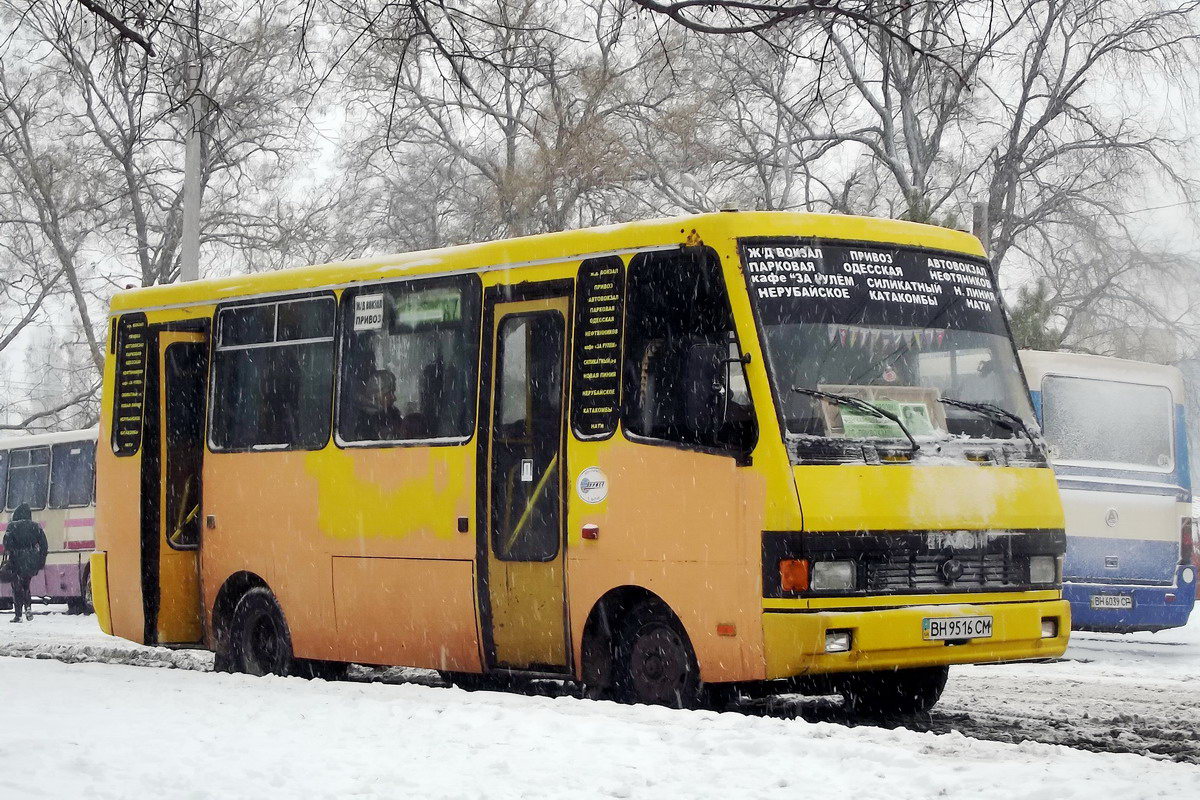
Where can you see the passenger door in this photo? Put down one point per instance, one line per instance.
(174, 610)
(523, 578)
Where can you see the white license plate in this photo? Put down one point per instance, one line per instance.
(941, 628)
(1103, 601)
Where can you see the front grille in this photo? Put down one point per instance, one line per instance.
(915, 562)
(910, 571)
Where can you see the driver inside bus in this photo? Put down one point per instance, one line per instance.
(378, 417)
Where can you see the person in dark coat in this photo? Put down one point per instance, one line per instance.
(26, 547)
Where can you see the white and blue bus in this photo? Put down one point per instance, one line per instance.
(1118, 440)
(55, 475)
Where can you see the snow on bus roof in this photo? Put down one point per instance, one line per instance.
(1040, 363)
(547, 248)
(40, 439)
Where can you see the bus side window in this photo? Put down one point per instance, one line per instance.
(678, 330)
(273, 375)
(408, 361)
(28, 478)
(72, 474)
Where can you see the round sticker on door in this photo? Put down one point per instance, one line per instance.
(592, 486)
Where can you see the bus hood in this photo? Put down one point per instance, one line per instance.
(907, 497)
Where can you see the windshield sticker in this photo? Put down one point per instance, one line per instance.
(368, 312)
(859, 423)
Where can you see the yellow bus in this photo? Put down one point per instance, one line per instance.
(727, 450)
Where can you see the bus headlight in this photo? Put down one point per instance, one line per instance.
(833, 576)
(1188, 575)
(1043, 569)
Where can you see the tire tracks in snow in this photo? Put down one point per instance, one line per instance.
(1120, 717)
(1122, 733)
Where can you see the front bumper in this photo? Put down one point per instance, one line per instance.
(100, 591)
(794, 640)
(1154, 607)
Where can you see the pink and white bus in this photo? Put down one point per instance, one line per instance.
(55, 473)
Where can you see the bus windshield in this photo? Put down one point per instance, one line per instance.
(1126, 425)
(899, 327)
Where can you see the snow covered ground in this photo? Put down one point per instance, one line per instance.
(119, 729)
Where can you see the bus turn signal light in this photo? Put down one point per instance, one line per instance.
(793, 575)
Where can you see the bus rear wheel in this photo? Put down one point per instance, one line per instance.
(83, 604)
(655, 663)
(259, 638)
(899, 693)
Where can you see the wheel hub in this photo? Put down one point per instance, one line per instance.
(659, 665)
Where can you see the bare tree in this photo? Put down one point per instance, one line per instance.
(91, 143)
(1063, 153)
(732, 17)
(527, 131)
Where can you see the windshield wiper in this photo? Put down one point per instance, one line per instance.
(1006, 419)
(863, 405)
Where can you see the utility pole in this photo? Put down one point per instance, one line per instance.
(980, 225)
(189, 248)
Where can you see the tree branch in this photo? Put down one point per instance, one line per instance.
(119, 25)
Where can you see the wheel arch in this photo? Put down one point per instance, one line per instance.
(232, 590)
(604, 619)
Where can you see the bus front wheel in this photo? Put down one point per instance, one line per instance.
(655, 663)
(259, 638)
(898, 693)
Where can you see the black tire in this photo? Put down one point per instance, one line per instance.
(6, 604)
(598, 657)
(89, 602)
(223, 660)
(898, 693)
(320, 670)
(260, 643)
(84, 603)
(654, 662)
(473, 681)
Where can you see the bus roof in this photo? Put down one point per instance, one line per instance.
(549, 248)
(1039, 363)
(40, 439)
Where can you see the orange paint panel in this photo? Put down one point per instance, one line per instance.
(118, 532)
(701, 595)
(683, 525)
(415, 612)
(663, 504)
(265, 507)
(394, 501)
(284, 516)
